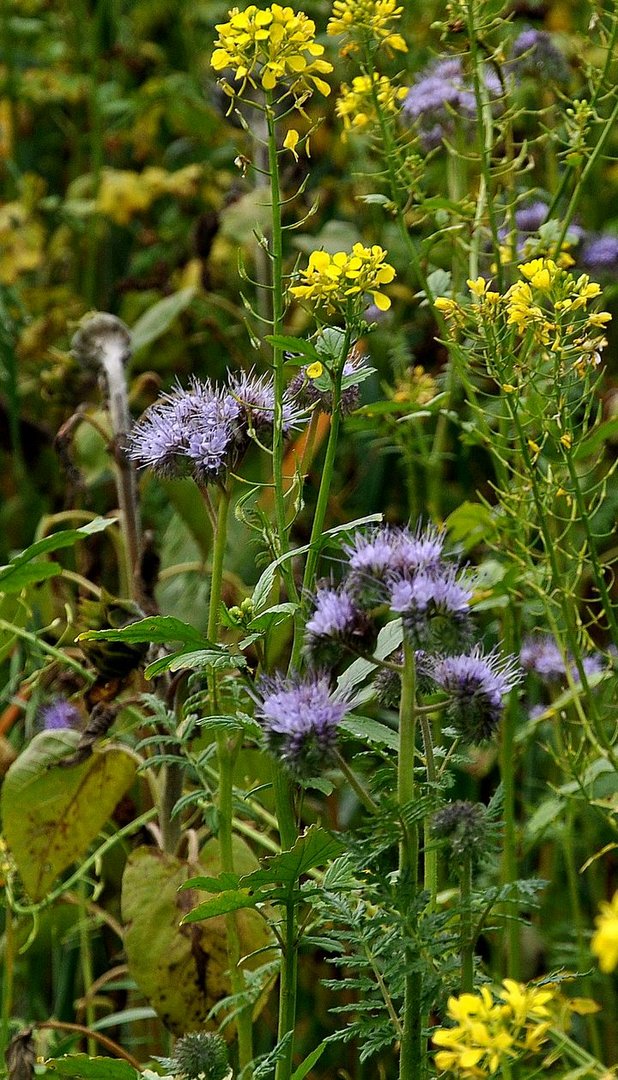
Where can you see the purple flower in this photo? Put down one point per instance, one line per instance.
(59, 714)
(442, 95)
(463, 825)
(337, 620)
(256, 396)
(600, 252)
(440, 591)
(535, 56)
(476, 685)
(300, 719)
(530, 218)
(421, 550)
(540, 653)
(371, 554)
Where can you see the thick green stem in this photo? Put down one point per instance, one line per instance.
(287, 992)
(411, 1054)
(8, 974)
(466, 941)
(85, 956)
(430, 853)
(509, 852)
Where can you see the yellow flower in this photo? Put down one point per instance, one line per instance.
(540, 273)
(345, 278)
(22, 240)
(276, 46)
(356, 106)
(372, 16)
(313, 371)
(604, 944)
(291, 142)
(477, 287)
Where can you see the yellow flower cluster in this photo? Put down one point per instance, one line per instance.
(356, 104)
(274, 45)
(604, 942)
(340, 281)
(22, 240)
(489, 1033)
(124, 194)
(367, 17)
(547, 304)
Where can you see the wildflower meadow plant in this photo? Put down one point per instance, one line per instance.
(310, 653)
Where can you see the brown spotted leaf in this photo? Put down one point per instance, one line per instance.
(52, 814)
(181, 970)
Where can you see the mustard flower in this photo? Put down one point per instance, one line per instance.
(276, 47)
(340, 281)
(487, 1034)
(367, 17)
(356, 105)
(604, 942)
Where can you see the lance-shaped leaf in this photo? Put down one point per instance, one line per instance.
(51, 814)
(83, 1067)
(156, 629)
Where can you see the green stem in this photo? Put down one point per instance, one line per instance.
(466, 939)
(85, 956)
(411, 1054)
(319, 517)
(430, 853)
(226, 757)
(359, 789)
(277, 353)
(509, 853)
(595, 564)
(288, 992)
(7, 979)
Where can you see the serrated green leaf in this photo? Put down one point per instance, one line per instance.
(233, 900)
(158, 318)
(83, 1067)
(367, 730)
(156, 629)
(314, 848)
(221, 883)
(296, 345)
(199, 659)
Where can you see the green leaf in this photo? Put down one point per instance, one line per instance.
(125, 1016)
(470, 524)
(298, 346)
(311, 1060)
(52, 814)
(314, 848)
(238, 722)
(273, 616)
(367, 730)
(217, 659)
(158, 318)
(156, 629)
(86, 1068)
(233, 900)
(221, 883)
(19, 572)
(183, 970)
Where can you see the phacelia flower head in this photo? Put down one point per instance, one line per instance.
(58, 714)
(535, 56)
(336, 620)
(355, 19)
(477, 685)
(540, 653)
(273, 46)
(256, 396)
(463, 826)
(300, 719)
(356, 105)
(604, 944)
(342, 281)
(442, 97)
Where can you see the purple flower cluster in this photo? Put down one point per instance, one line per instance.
(476, 685)
(203, 431)
(59, 714)
(300, 719)
(600, 253)
(541, 655)
(337, 620)
(442, 97)
(535, 56)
